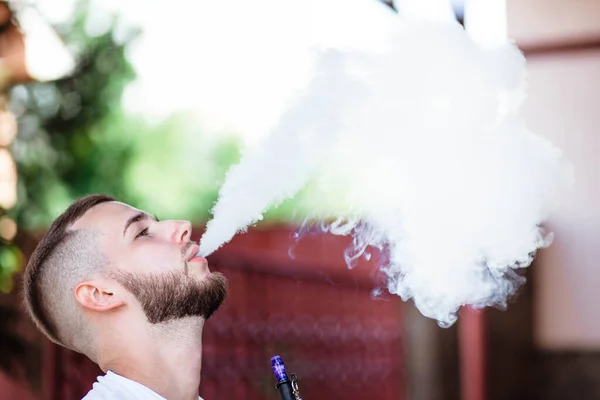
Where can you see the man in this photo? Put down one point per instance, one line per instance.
(114, 283)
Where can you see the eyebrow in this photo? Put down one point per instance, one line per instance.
(140, 216)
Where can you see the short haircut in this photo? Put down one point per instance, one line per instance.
(63, 258)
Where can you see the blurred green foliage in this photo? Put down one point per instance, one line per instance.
(62, 123)
(75, 138)
(11, 259)
(176, 170)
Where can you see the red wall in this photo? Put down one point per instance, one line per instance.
(9, 389)
(313, 311)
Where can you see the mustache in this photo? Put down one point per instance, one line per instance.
(186, 247)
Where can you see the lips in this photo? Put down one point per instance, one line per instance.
(192, 252)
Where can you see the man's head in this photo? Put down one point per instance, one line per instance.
(101, 259)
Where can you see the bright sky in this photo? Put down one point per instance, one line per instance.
(233, 64)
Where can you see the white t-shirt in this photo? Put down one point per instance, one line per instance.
(116, 387)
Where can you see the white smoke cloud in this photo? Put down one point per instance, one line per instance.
(422, 148)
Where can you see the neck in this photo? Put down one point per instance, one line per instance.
(165, 358)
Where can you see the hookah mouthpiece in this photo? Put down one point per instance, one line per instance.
(288, 388)
(279, 368)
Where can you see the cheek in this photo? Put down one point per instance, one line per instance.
(155, 258)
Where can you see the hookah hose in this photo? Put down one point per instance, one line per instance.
(288, 387)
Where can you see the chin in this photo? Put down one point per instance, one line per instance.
(197, 269)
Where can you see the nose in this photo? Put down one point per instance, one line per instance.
(180, 232)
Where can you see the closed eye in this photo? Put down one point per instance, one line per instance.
(144, 232)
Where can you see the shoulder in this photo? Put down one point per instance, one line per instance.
(105, 387)
(94, 395)
(115, 387)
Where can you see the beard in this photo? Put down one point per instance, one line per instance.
(174, 295)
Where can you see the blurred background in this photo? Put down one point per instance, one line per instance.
(124, 99)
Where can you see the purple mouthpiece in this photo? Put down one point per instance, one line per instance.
(278, 368)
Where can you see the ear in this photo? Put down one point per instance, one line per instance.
(95, 296)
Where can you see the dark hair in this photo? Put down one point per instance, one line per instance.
(56, 236)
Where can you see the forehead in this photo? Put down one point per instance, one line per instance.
(106, 217)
